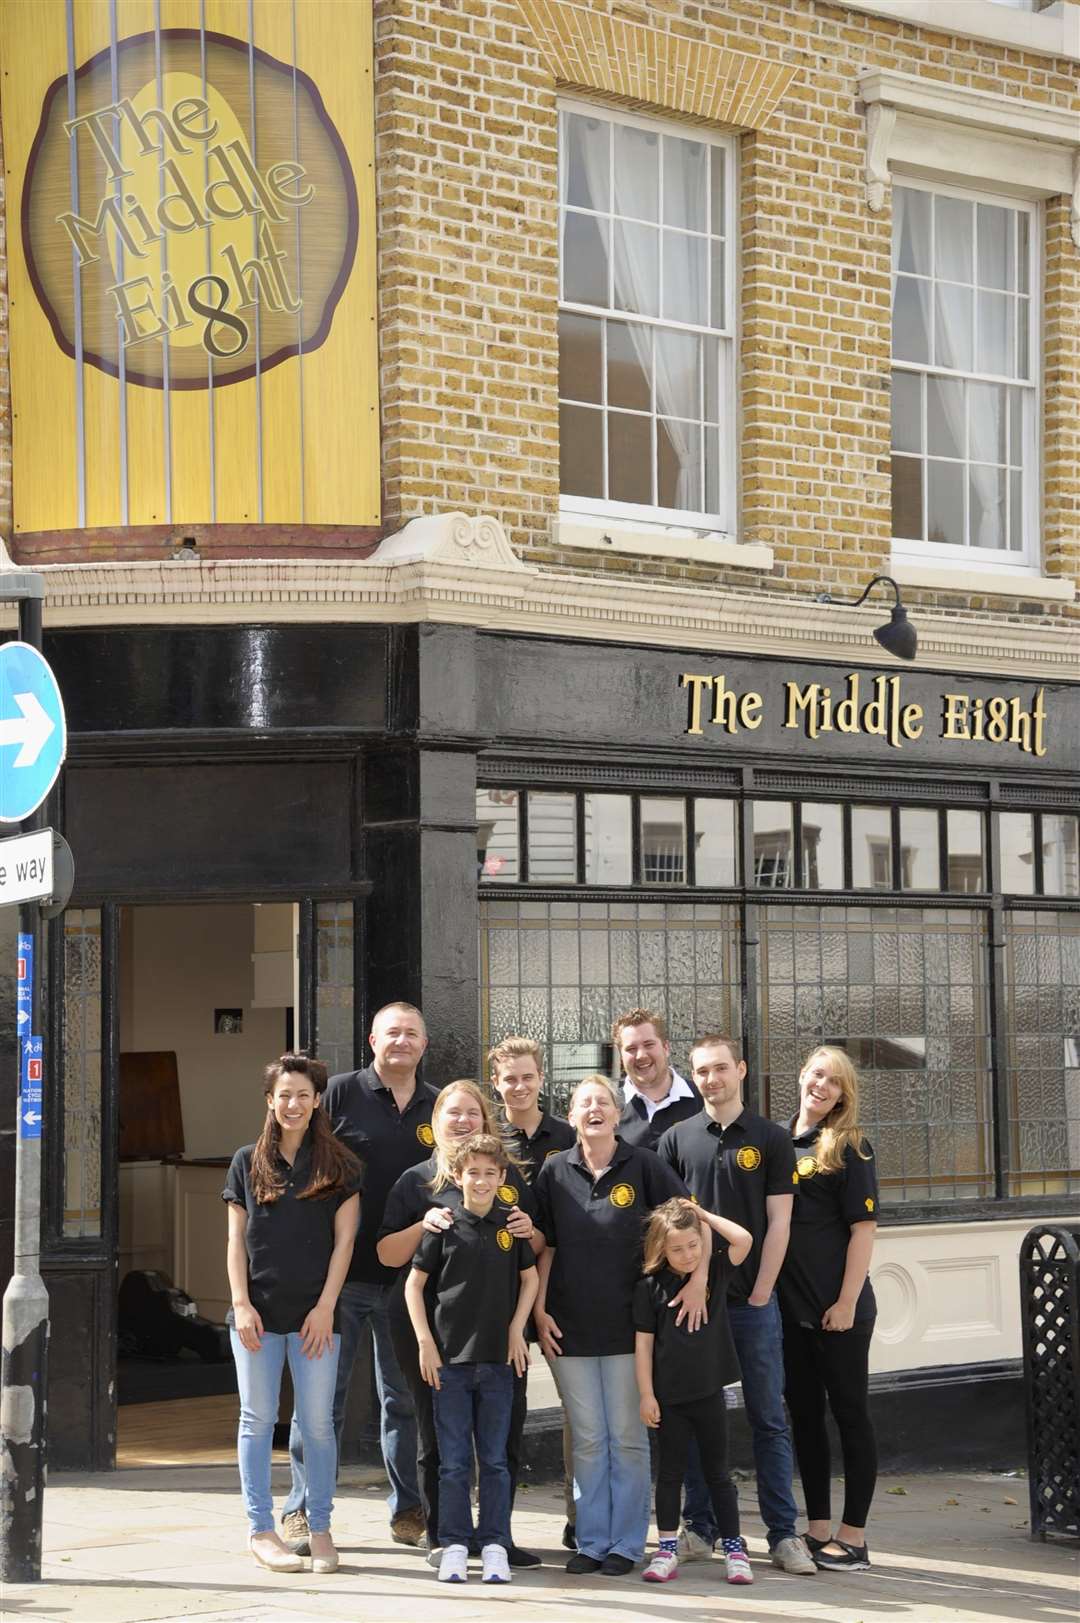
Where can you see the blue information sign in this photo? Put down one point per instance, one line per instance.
(24, 983)
(33, 731)
(30, 1091)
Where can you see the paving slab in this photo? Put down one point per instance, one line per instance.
(153, 1545)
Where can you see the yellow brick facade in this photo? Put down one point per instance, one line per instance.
(466, 111)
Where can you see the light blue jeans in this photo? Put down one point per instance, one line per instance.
(361, 1303)
(258, 1376)
(610, 1453)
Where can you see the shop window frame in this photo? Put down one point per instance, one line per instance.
(743, 784)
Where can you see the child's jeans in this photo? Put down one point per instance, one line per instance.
(473, 1405)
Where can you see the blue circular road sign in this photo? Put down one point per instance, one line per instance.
(33, 731)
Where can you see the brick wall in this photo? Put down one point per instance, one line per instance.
(467, 195)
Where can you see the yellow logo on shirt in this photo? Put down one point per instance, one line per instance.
(748, 1158)
(505, 1239)
(549, 1154)
(795, 1176)
(508, 1194)
(425, 1135)
(806, 1166)
(622, 1195)
(868, 1203)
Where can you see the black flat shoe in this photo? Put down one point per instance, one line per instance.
(616, 1566)
(522, 1558)
(856, 1557)
(569, 1537)
(579, 1563)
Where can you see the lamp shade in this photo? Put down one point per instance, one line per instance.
(898, 636)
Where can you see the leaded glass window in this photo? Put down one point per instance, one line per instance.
(1042, 1048)
(904, 991)
(561, 972)
(334, 985)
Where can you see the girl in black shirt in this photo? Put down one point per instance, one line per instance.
(828, 1305)
(681, 1376)
(293, 1210)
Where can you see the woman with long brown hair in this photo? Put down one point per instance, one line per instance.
(423, 1201)
(828, 1305)
(293, 1208)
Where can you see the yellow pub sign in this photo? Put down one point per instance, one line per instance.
(191, 262)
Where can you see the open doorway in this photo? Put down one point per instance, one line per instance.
(208, 994)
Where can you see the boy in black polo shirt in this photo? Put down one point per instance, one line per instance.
(480, 1284)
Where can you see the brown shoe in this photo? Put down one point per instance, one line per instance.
(295, 1532)
(408, 1527)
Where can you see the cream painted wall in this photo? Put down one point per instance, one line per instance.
(948, 1293)
(178, 964)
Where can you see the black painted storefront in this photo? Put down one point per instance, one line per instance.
(338, 762)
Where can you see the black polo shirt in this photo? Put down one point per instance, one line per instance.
(362, 1112)
(732, 1171)
(687, 1365)
(412, 1196)
(826, 1205)
(636, 1128)
(550, 1137)
(597, 1231)
(289, 1241)
(474, 1271)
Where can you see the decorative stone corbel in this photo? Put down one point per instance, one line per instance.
(452, 538)
(880, 124)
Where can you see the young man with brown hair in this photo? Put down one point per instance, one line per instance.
(655, 1096)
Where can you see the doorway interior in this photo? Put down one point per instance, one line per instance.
(208, 994)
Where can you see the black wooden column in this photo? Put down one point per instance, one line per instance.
(420, 833)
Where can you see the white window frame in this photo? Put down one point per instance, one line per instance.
(905, 549)
(720, 527)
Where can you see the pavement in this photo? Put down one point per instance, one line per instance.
(162, 1543)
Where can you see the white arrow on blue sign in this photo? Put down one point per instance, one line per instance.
(32, 1088)
(33, 730)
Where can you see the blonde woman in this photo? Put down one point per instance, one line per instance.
(592, 1201)
(423, 1201)
(828, 1306)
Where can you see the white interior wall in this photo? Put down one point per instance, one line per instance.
(179, 965)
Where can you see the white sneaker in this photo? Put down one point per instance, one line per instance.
(662, 1568)
(737, 1567)
(791, 1555)
(692, 1547)
(454, 1566)
(496, 1564)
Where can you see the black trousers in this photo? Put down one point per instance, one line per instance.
(705, 1422)
(831, 1366)
(427, 1443)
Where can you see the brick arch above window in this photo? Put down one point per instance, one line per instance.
(647, 67)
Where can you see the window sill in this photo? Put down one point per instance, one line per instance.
(1047, 33)
(989, 582)
(657, 541)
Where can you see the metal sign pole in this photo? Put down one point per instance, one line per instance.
(26, 1302)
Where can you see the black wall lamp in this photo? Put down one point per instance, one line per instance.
(898, 636)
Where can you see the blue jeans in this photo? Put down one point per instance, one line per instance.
(258, 1377)
(610, 1454)
(473, 1405)
(759, 1343)
(361, 1303)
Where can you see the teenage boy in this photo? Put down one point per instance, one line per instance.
(517, 1076)
(656, 1097)
(383, 1113)
(478, 1284)
(742, 1166)
(516, 1069)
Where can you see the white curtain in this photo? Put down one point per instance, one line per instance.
(636, 282)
